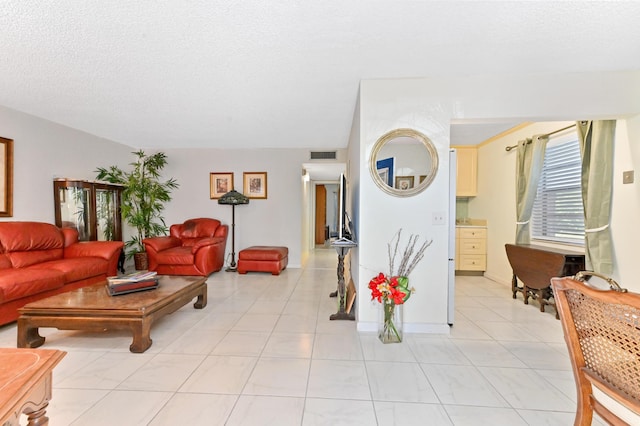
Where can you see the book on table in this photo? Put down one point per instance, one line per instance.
(133, 277)
(130, 283)
(131, 287)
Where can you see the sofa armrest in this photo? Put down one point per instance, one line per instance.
(204, 242)
(161, 243)
(103, 249)
(222, 231)
(70, 236)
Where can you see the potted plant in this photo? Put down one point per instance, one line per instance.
(143, 200)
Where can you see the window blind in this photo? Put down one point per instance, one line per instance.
(557, 211)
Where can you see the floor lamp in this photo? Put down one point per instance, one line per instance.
(233, 198)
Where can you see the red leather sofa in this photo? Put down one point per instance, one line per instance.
(38, 260)
(195, 247)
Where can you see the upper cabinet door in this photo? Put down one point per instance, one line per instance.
(467, 171)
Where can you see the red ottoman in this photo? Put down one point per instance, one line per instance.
(263, 259)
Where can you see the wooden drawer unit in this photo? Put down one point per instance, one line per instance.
(473, 262)
(471, 248)
(473, 233)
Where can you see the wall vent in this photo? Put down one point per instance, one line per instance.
(323, 155)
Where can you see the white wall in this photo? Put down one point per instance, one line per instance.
(625, 209)
(274, 221)
(43, 150)
(429, 105)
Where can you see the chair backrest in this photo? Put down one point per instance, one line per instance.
(193, 229)
(602, 331)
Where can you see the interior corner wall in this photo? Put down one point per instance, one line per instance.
(276, 220)
(44, 150)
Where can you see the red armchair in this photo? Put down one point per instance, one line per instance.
(195, 247)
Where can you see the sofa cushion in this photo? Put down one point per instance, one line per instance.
(192, 230)
(76, 268)
(5, 262)
(15, 284)
(176, 256)
(24, 259)
(263, 253)
(26, 243)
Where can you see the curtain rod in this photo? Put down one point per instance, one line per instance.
(509, 148)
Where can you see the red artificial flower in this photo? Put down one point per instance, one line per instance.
(397, 296)
(394, 282)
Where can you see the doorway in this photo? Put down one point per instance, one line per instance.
(326, 210)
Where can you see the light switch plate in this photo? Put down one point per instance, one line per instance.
(627, 177)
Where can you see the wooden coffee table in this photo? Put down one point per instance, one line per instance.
(92, 309)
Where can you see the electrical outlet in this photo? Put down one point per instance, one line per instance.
(438, 218)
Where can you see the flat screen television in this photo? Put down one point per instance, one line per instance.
(344, 222)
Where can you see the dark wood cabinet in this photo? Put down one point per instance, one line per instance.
(534, 266)
(93, 208)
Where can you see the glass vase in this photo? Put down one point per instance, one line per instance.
(390, 323)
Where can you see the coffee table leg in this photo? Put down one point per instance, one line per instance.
(28, 337)
(202, 299)
(141, 336)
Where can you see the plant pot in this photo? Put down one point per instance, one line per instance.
(141, 261)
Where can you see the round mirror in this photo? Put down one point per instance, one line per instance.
(403, 162)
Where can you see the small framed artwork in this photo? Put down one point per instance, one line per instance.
(404, 182)
(385, 170)
(220, 184)
(255, 184)
(6, 177)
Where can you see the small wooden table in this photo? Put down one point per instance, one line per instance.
(92, 309)
(536, 265)
(25, 384)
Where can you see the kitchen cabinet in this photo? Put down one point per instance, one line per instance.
(471, 248)
(466, 171)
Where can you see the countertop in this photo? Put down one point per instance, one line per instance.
(471, 223)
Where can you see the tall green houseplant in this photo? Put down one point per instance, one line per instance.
(143, 198)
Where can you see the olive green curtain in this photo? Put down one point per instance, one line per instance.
(596, 146)
(529, 161)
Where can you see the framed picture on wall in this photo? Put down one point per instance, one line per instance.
(404, 182)
(255, 184)
(385, 170)
(6, 177)
(220, 184)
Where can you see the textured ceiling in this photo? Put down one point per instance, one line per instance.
(220, 73)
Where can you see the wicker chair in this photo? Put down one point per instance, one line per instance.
(602, 331)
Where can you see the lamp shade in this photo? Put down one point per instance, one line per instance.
(233, 197)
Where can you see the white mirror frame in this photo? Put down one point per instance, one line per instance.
(430, 174)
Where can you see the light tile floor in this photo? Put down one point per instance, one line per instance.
(264, 352)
